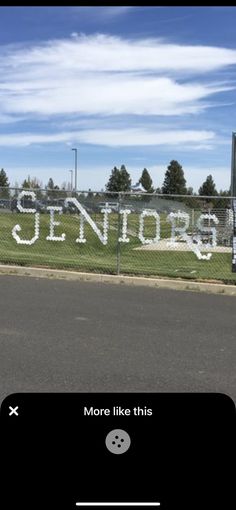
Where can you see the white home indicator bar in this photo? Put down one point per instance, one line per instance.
(118, 504)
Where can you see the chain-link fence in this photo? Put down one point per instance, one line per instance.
(120, 233)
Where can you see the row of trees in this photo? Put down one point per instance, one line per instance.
(33, 183)
(120, 180)
(174, 182)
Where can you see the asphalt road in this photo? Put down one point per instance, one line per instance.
(83, 336)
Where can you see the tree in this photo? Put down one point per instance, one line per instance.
(53, 191)
(4, 184)
(191, 199)
(50, 184)
(189, 191)
(66, 186)
(57, 193)
(125, 180)
(174, 181)
(119, 180)
(208, 188)
(113, 183)
(35, 184)
(15, 189)
(146, 181)
(64, 189)
(222, 203)
(90, 193)
(26, 184)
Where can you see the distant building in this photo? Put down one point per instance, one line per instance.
(138, 188)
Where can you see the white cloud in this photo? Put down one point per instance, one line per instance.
(107, 75)
(109, 53)
(143, 137)
(113, 137)
(106, 95)
(25, 139)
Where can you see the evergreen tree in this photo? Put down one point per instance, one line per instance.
(222, 203)
(90, 193)
(57, 192)
(26, 184)
(50, 184)
(63, 190)
(125, 180)
(4, 184)
(119, 180)
(113, 183)
(146, 181)
(53, 191)
(208, 187)
(191, 199)
(174, 181)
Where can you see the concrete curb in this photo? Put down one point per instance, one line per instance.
(35, 272)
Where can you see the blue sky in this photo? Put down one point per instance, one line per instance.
(125, 85)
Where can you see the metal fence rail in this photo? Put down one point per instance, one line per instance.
(128, 233)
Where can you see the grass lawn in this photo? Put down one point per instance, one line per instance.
(95, 257)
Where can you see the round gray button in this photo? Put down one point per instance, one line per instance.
(118, 441)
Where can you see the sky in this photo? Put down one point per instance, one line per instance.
(138, 86)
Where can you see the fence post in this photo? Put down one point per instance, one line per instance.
(118, 235)
(193, 221)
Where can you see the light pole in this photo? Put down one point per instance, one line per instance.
(75, 168)
(71, 180)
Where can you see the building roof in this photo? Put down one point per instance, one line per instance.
(138, 188)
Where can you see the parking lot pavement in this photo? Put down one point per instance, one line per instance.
(83, 336)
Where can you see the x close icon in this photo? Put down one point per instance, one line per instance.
(13, 411)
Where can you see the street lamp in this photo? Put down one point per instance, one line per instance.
(75, 168)
(71, 180)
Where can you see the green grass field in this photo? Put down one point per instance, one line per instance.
(95, 257)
